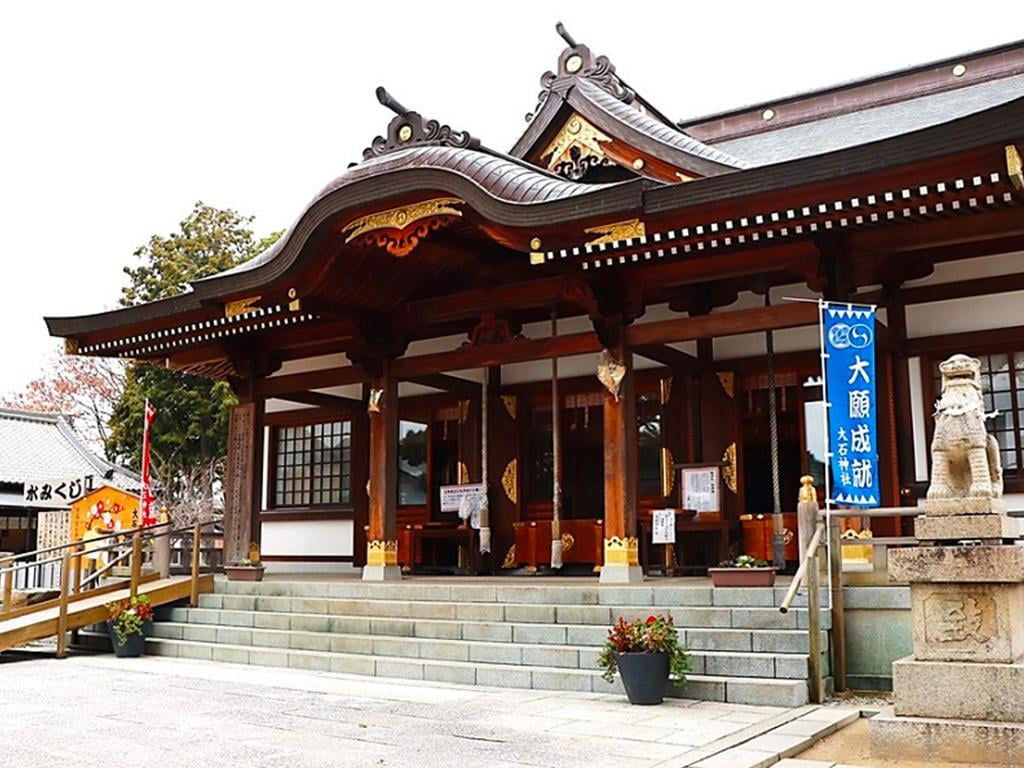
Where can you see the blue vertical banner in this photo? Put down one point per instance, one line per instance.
(848, 336)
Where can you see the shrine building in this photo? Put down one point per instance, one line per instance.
(402, 335)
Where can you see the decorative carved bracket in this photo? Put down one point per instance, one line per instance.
(399, 230)
(576, 149)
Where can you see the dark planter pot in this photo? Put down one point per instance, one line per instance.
(644, 676)
(742, 577)
(134, 645)
(244, 572)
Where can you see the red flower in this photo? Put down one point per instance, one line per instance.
(651, 619)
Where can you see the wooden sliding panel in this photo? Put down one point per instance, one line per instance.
(621, 565)
(382, 547)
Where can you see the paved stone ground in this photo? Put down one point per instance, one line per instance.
(103, 712)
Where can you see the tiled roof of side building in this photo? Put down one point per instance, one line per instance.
(39, 447)
(873, 124)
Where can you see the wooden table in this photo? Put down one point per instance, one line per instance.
(462, 535)
(718, 527)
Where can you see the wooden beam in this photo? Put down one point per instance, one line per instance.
(777, 317)
(457, 386)
(322, 400)
(670, 356)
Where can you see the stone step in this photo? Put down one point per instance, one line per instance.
(784, 639)
(792, 666)
(738, 690)
(720, 617)
(523, 592)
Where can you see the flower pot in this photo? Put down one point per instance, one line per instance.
(644, 676)
(134, 645)
(742, 577)
(244, 572)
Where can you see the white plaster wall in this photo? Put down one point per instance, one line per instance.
(307, 537)
(918, 413)
(986, 266)
(958, 315)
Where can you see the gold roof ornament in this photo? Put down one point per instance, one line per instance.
(399, 230)
(1015, 167)
(241, 306)
(616, 231)
(576, 148)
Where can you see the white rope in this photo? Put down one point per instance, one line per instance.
(485, 512)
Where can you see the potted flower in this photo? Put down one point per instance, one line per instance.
(645, 652)
(743, 571)
(130, 623)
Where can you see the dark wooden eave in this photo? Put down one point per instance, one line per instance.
(365, 189)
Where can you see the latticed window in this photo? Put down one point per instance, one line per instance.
(1002, 383)
(312, 465)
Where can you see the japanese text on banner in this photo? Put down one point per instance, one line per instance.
(850, 375)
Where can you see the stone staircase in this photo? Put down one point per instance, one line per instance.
(524, 636)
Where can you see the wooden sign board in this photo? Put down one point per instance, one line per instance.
(700, 488)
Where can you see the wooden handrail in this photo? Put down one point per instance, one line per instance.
(197, 535)
(59, 547)
(8, 585)
(801, 572)
(62, 615)
(148, 532)
(136, 564)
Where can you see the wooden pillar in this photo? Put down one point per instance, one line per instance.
(620, 465)
(239, 482)
(382, 547)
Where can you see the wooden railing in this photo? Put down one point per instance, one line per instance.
(812, 526)
(127, 549)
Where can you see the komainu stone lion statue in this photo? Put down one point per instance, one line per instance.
(965, 458)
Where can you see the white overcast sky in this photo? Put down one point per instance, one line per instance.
(116, 117)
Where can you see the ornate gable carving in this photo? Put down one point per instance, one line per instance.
(410, 129)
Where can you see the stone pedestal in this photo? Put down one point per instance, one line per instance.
(960, 697)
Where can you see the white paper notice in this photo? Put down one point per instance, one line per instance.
(663, 526)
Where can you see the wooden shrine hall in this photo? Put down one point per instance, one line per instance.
(401, 336)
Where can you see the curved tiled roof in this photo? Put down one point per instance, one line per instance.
(500, 176)
(654, 129)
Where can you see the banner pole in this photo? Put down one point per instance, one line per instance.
(825, 424)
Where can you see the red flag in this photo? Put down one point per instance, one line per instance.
(146, 495)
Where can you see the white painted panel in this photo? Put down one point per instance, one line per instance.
(753, 344)
(318, 363)
(265, 477)
(965, 269)
(308, 537)
(917, 416)
(960, 315)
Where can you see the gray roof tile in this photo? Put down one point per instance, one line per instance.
(868, 125)
(37, 447)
